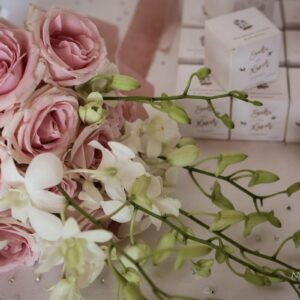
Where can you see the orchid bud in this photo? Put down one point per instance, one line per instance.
(184, 156)
(94, 97)
(179, 115)
(92, 112)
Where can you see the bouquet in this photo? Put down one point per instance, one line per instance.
(85, 168)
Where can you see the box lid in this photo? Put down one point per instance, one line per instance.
(242, 27)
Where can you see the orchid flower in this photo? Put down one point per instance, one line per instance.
(83, 259)
(28, 198)
(160, 204)
(117, 172)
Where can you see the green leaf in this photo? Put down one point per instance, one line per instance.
(138, 192)
(226, 218)
(221, 254)
(190, 251)
(203, 73)
(261, 177)
(227, 159)
(131, 291)
(254, 278)
(166, 242)
(184, 156)
(293, 189)
(296, 238)
(257, 218)
(123, 83)
(227, 121)
(219, 199)
(273, 220)
(179, 115)
(203, 267)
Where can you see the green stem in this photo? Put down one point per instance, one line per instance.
(236, 244)
(71, 202)
(187, 236)
(131, 232)
(189, 83)
(282, 245)
(198, 185)
(232, 269)
(155, 289)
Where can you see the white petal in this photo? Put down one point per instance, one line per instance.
(156, 222)
(47, 226)
(3, 244)
(47, 201)
(20, 213)
(71, 228)
(168, 206)
(97, 235)
(114, 189)
(154, 189)
(9, 173)
(154, 148)
(123, 216)
(44, 171)
(121, 151)
(108, 160)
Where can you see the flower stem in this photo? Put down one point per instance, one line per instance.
(281, 246)
(71, 202)
(131, 232)
(236, 244)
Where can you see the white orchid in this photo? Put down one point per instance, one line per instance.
(28, 198)
(83, 259)
(148, 192)
(152, 135)
(117, 172)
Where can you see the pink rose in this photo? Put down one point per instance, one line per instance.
(70, 43)
(48, 123)
(18, 245)
(20, 68)
(85, 156)
(3, 155)
(133, 111)
(68, 184)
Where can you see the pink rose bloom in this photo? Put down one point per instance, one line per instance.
(70, 43)
(85, 156)
(20, 68)
(17, 247)
(48, 123)
(68, 184)
(133, 111)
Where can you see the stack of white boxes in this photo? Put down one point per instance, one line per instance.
(279, 117)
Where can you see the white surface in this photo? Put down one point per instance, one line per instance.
(280, 158)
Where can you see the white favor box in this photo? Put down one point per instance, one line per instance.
(191, 46)
(291, 14)
(265, 122)
(277, 15)
(293, 127)
(293, 48)
(215, 8)
(193, 13)
(242, 49)
(282, 60)
(204, 123)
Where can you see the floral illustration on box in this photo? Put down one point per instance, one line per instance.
(86, 167)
